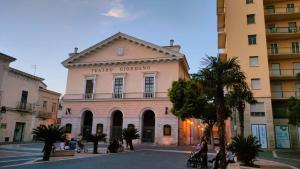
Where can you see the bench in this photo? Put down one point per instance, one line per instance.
(60, 153)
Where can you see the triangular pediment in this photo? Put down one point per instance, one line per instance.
(121, 47)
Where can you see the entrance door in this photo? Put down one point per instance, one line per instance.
(282, 136)
(148, 128)
(260, 132)
(19, 132)
(87, 124)
(117, 123)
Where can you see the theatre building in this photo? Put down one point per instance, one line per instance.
(123, 81)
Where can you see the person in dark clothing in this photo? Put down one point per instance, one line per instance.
(217, 159)
(203, 150)
(72, 144)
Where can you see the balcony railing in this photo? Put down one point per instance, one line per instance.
(44, 115)
(285, 94)
(283, 51)
(284, 72)
(88, 96)
(128, 95)
(275, 30)
(282, 10)
(22, 106)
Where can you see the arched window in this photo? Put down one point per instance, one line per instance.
(167, 130)
(68, 128)
(99, 128)
(130, 126)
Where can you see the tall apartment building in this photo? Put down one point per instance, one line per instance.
(265, 36)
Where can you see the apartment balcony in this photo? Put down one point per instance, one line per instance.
(117, 96)
(282, 33)
(285, 94)
(283, 53)
(274, 1)
(44, 115)
(282, 13)
(283, 74)
(24, 107)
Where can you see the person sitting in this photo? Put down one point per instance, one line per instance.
(229, 155)
(62, 145)
(113, 146)
(72, 144)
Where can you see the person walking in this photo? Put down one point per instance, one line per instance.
(203, 149)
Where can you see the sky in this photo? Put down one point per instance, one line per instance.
(44, 32)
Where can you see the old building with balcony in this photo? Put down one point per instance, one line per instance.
(265, 36)
(20, 94)
(123, 81)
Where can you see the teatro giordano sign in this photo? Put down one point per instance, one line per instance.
(120, 69)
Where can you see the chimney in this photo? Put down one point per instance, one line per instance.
(75, 50)
(172, 42)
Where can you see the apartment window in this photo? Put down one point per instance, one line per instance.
(3, 125)
(45, 105)
(249, 1)
(277, 90)
(54, 107)
(274, 48)
(149, 87)
(89, 87)
(118, 87)
(257, 109)
(292, 27)
(253, 61)
(68, 128)
(272, 28)
(275, 69)
(251, 19)
(251, 39)
(270, 9)
(295, 47)
(290, 8)
(167, 130)
(255, 83)
(24, 97)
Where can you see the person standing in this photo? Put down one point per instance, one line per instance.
(203, 149)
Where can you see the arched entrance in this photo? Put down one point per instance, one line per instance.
(116, 125)
(148, 126)
(87, 123)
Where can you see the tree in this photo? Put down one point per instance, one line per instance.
(216, 76)
(293, 111)
(95, 138)
(130, 134)
(237, 98)
(49, 135)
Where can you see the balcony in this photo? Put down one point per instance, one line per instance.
(274, 1)
(282, 13)
(283, 53)
(285, 94)
(24, 107)
(284, 74)
(281, 33)
(88, 96)
(44, 115)
(118, 96)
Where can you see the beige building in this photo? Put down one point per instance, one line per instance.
(265, 36)
(20, 101)
(123, 81)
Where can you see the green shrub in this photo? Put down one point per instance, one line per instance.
(246, 149)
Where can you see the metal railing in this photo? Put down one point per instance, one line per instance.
(282, 10)
(88, 96)
(283, 50)
(285, 94)
(23, 106)
(128, 95)
(45, 115)
(284, 72)
(274, 30)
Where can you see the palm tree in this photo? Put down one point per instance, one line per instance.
(217, 76)
(49, 134)
(237, 99)
(130, 134)
(95, 138)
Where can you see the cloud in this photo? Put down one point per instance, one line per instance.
(117, 10)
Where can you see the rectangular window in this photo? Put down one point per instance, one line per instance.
(252, 39)
(290, 8)
(274, 48)
(270, 9)
(277, 90)
(251, 19)
(89, 88)
(118, 87)
(257, 109)
(272, 28)
(275, 71)
(24, 97)
(295, 47)
(54, 107)
(253, 61)
(149, 87)
(3, 126)
(249, 1)
(292, 27)
(280, 109)
(45, 105)
(255, 83)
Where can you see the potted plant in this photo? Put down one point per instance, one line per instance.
(130, 134)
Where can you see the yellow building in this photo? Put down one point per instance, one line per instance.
(265, 36)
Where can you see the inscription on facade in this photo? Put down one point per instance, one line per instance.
(120, 69)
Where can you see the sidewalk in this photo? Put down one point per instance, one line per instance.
(267, 164)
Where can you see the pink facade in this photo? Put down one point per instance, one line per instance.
(123, 81)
